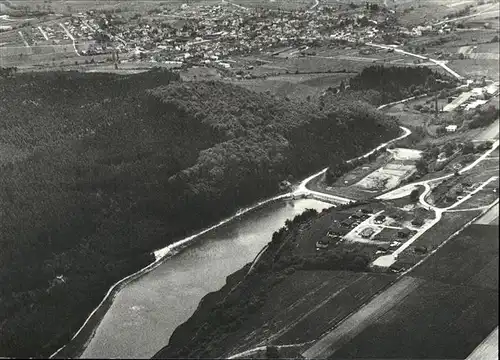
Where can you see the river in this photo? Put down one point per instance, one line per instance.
(145, 313)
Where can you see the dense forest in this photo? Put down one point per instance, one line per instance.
(109, 168)
(379, 84)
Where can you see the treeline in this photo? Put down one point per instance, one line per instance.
(117, 166)
(206, 334)
(339, 166)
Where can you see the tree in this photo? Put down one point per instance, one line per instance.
(342, 86)
(421, 166)
(449, 148)
(468, 147)
(414, 195)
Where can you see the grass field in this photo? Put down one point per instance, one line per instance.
(298, 86)
(476, 68)
(357, 174)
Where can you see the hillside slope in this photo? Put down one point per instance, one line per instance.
(113, 167)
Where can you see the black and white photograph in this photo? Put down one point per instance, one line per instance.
(249, 179)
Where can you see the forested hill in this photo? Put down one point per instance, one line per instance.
(99, 169)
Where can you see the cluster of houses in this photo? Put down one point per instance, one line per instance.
(203, 34)
(338, 230)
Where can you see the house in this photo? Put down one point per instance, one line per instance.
(404, 233)
(379, 219)
(348, 222)
(451, 128)
(383, 247)
(366, 233)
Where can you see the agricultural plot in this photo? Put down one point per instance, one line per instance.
(462, 260)
(450, 322)
(452, 311)
(299, 296)
(335, 308)
(476, 67)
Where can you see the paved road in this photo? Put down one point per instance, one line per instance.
(303, 190)
(437, 62)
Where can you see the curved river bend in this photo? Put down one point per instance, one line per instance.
(145, 313)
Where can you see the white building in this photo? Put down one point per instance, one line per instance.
(451, 128)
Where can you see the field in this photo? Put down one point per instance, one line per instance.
(482, 198)
(298, 86)
(306, 304)
(470, 259)
(452, 311)
(351, 192)
(357, 174)
(450, 322)
(386, 177)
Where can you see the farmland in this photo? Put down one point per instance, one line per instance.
(294, 315)
(450, 322)
(452, 311)
(468, 260)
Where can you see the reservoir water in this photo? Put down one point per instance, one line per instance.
(146, 312)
